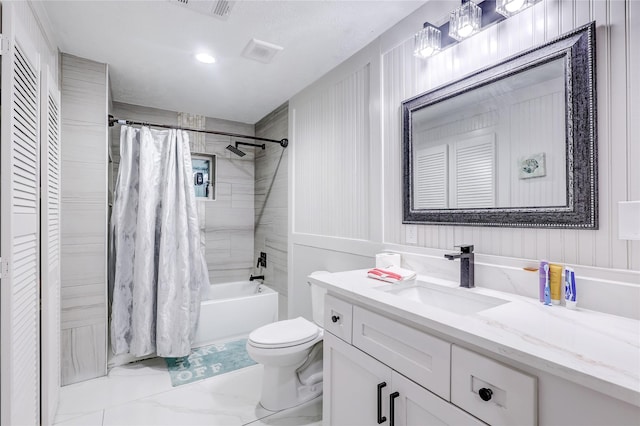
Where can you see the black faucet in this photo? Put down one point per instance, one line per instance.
(466, 265)
(256, 277)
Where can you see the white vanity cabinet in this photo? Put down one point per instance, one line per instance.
(381, 371)
(492, 391)
(416, 406)
(516, 364)
(354, 384)
(420, 356)
(360, 390)
(338, 315)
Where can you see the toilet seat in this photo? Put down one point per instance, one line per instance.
(284, 334)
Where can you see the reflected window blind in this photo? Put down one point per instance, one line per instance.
(474, 171)
(430, 178)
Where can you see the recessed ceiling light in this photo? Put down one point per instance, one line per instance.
(205, 58)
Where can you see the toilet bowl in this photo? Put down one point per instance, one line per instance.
(291, 353)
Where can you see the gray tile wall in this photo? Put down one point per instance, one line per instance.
(271, 200)
(84, 219)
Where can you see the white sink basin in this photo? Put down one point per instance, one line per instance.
(458, 300)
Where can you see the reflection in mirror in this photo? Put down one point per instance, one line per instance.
(486, 148)
(511, 145)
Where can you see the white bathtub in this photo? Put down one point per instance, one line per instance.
(233, 310)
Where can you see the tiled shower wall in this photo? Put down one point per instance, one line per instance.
(228, 222)
(271, 196)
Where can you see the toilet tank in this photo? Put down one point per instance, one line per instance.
(317, 300)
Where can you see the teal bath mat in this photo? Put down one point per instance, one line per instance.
(209, 361)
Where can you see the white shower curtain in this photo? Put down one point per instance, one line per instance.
(158, 264)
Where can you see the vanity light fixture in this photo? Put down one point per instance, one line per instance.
(205, 58)
(465, 20)
(509, 8)
(427, 41)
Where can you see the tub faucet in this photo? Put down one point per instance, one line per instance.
(466, 257)
(256, 277)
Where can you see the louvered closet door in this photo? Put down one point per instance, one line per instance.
(50, 245)
(430, 181)
(473, 173)
(19, 246)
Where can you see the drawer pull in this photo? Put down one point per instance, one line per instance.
(392, 409)
(381, 418)
(335, 318)
(485, 394)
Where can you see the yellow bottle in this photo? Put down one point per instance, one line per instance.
(555, 282)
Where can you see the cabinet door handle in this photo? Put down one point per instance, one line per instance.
(485, 394)
(392, 410)
(381, 418)
(335, 318)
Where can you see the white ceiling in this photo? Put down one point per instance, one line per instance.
(150, 47)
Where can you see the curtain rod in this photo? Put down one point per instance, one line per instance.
(112, 121)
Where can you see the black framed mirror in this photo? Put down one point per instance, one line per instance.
(511, 145)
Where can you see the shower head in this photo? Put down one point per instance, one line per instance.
(236, 151)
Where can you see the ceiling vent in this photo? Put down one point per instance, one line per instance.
(221, 9)
(261, 51)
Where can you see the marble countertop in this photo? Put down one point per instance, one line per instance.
(596, 350)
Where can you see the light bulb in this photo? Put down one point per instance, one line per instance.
(426, 42)
(514, 5)
(426, 52)
(205, 58)
(509, 8)
(465, 20)
(465, 31)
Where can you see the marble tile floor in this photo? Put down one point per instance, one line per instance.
(141, 394)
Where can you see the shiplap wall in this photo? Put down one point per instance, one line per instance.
(525, 138)
(331, 134)
(271, 220)
(395, 75)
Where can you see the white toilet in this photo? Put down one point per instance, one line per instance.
(291, 353)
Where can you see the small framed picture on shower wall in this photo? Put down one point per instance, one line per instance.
(204, 175)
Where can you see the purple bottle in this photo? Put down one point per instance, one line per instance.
(544, 278)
